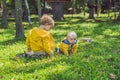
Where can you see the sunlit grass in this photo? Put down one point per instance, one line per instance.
(96, 60)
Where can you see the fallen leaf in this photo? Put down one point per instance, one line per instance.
(112, 76)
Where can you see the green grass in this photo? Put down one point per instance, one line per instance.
(98, 60)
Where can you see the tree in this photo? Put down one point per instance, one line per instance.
(98, 7)
(91, 6)
(58, 11)
(4, 14)
(19, 26)
(118, 4)
(28, 11)
(82, 5)
(39, 10)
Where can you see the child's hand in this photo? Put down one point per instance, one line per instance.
(30, 53)
(29, 49)
(51, 54)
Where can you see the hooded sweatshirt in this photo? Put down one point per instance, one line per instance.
(40, 40)
(66, 48)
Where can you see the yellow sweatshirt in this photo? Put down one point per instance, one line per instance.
(40, 40)
(67, 48)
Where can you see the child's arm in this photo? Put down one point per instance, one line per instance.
(66, 52)
(28, 43)
(47, 46)
(29, 49)
(75, 47)
(64, 48)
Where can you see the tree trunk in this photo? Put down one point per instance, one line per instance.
(84, 8)
(118, 18)
(109, 6)
(39, 10)
(118, 4)
(4, 14)
(19, 26)
(91, 6)
(58, 12)
(98, 7)
(91, 13)
(28, 16)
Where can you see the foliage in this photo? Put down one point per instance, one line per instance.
(98, 60)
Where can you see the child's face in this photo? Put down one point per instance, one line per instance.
(48, 27)
(71, 40)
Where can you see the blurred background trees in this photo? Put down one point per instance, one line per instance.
(4, 13)
(63, 6)
(22, 9)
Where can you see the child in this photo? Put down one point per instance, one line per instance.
(39, 40)
(69, 44)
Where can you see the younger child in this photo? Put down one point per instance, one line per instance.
(69, 44)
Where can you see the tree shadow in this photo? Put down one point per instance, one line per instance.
(48, 63)
(69, 71)
(12, 41)
(83, 19)
(59, 68)
(109, 25)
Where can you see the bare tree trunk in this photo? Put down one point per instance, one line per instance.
(118, 4)
(108, 13)
(39, 10)
(19, 26)
(84, 8)
(118, 18)
(109, 9)
(27, 7)
(58, 11)
(4, 14)
(91, 13)
(91, 6)
(98, 7)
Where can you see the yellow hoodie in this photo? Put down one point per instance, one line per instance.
(40, 40)
(66, 48)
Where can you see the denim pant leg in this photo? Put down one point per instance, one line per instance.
(38, 54)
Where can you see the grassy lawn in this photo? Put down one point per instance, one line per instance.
(98, 60)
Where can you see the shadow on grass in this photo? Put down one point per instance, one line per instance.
(79, 67)
(109, 27)
(62, 67)
(63, 62)
(12, 41)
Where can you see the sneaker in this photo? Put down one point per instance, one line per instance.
(22, 55)
(57, 50)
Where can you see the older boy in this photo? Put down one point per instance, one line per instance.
(39, 40)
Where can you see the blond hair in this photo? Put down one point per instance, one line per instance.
(72, 34)
(46, 19)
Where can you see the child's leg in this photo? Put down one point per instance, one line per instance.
(22, 54)
(39, 54)
(58, 50)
